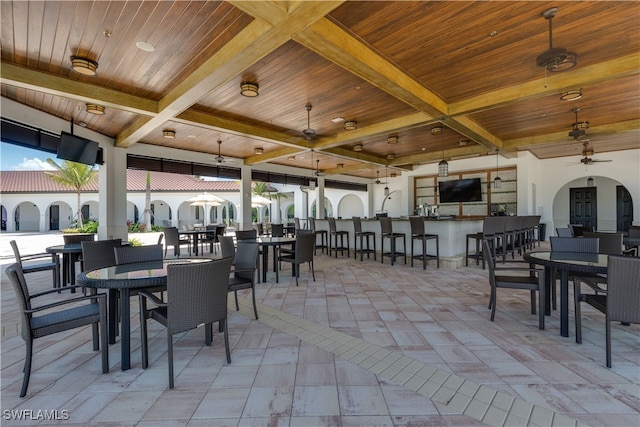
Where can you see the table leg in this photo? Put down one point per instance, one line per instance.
(195, 244)
(564, 303)
(65, 270)
(113, 315)
(265, 263)
(125, 339)
(548, 277)
(72, 271)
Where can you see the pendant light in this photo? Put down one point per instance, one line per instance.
(443, 166)
(312, 182)
(497, 182)
(386, 186)
(590, 182)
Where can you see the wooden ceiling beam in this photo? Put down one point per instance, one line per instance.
(553, 84)
(272, 155)
(253, 43)
(340, 47)
(562, 137)
(39, 81)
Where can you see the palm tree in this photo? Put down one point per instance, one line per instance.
(147, 204)
(74, 175)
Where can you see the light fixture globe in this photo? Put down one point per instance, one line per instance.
(443, 168)
(248, 89)
(497, 182)
(84, 66)
(350, 125)
(95, 109)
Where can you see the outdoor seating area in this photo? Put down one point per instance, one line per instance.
(348, 343)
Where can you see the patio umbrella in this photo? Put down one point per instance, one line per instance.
(258, 201)
(205, 199)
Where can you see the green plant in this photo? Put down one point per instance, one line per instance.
(71, 230)
(135, 242)
(90, 227)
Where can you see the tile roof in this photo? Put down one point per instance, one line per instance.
(39, 182)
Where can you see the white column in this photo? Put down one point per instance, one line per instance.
(244, 209)
(112, 197)
(320, 199)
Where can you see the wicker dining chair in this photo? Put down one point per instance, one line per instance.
(83, 310)
(620, 303)
(196, 295)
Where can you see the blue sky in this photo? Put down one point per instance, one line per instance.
(14, 157)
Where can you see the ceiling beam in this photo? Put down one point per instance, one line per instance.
(340, 47)
(555, 84)
(558, 137)
(51, 84)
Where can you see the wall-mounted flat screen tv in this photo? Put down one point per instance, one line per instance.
(460, 190)
(77, 149)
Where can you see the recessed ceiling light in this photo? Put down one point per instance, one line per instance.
(191, 136)
(357, 147)
(337, 120)
(95, 109)
(350, 125)
(147, 47)
(258, 151)
(169, 133)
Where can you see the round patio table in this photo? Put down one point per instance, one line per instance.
(566, 263)
(124, 278)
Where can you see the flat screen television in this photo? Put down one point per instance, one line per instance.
(460, 190)
(77, 149)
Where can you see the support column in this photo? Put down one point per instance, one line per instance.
(112, 197)
(320, 199)
(244, 214)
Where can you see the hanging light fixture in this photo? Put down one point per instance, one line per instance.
(590, 182)
(386, 186)
(497, 182)
(258, 151)
(357, 147)
(169, 133)
(248, 89)
(393, 139)
(443, 166)
(312, 182)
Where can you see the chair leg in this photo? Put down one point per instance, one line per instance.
(208, 334)
(253, 295)
(170, 356)
(104, 339)
(235, 293)
(143, 334)
(577, 310)
(437, 251)
(223, 324)
(607, 327)
(493, 304)
(541, 300)
(27, 368)
(424, 253)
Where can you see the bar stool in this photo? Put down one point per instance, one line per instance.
(387, 233)
(333, 232)
(418, 233)
(492, 229)
(324, 236)
(357, 226)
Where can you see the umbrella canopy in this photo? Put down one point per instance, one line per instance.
(257, 201)
(206, 198)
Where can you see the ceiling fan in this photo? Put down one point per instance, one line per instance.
(579, 128)
(587, 153)
(309, 133)
(555, 59)
(219, 159)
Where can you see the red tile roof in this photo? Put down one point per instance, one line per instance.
(39, 182)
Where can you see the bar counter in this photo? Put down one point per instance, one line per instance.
(452, 232)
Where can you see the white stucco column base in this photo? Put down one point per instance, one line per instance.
(113, 195)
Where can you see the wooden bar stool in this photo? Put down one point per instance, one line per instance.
(358, 233)
(387, 233)
(418, 233)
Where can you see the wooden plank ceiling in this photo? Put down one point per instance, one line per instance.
(396, 68)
